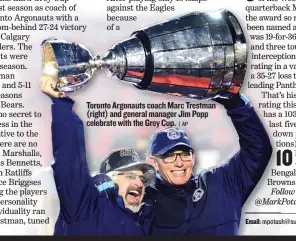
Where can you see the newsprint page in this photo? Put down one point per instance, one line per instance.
(147, 117)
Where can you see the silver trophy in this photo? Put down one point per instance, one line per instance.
(197, 55)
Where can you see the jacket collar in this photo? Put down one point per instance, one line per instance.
(143, 217)
(174, 191)
(186, 192)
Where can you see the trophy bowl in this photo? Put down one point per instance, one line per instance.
(198, 55)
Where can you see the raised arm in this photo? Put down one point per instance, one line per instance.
(244, 170)
(78, 196)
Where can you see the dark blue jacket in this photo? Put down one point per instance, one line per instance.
(225, 188)
(84, 209)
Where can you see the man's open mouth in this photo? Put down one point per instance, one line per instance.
(134, 194)
(178, 172)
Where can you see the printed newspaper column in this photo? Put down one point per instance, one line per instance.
(19, 148)
(271, 27)
(126, 12)
(21, 22)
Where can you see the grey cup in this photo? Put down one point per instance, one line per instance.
(197, 55)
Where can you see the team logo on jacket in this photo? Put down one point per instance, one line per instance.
(173, 134)
(197, 195)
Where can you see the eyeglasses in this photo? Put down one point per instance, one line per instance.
(133, 176)
(172, 156)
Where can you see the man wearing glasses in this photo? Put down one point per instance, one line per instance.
(130, 176)
(209, 203)
(107, 204)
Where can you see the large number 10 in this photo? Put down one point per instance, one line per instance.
(285, 158)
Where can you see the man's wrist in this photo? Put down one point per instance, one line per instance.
(62, 100)
(234, 102)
